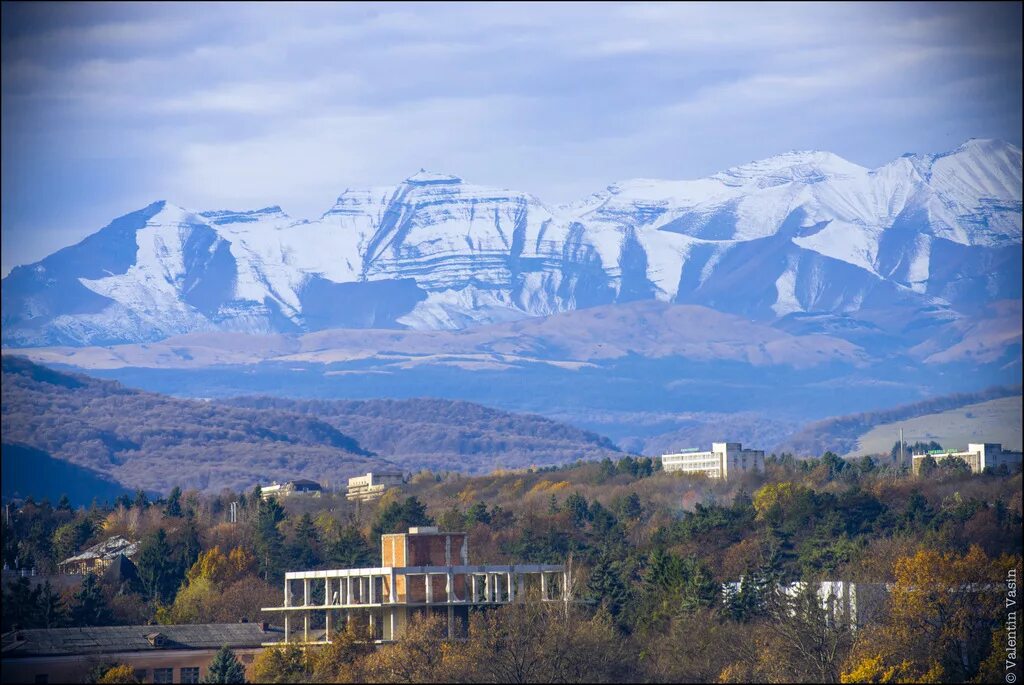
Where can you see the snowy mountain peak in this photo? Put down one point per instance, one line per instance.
(807, 166)
(800, 232)
(424, 177)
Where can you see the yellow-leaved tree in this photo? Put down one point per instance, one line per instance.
(213, 586)
(943, 608)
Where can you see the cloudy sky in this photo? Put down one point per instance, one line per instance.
(107, 108)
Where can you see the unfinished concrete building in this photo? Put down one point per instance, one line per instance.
(422, 571)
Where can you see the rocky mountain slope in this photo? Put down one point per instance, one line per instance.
(803, 233)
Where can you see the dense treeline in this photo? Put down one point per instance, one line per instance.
(677, 578)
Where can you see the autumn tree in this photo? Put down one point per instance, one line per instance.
(119, 673)
(534, 642)
(422, 654)
(340, 661)
(942, 609)
(802, 641)
(281, 664)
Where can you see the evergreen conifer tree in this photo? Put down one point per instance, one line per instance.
(174, 503)
(269, 542)
(52, 610)
(304, 553)
(90, 608)
(225, 668)
(607, 587)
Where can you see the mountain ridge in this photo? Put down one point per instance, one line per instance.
(153, 441)
(800, 232)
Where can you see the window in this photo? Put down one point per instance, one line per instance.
(190, 675)
(163, 675)
(140, 674)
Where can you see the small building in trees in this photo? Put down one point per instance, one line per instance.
(372, 485)
(301, 487)
(977, 455)
(156, 654)
(725, 460)
(98, 557)
(423, 571)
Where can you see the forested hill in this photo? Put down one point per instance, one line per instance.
(150, 441)
(448, 435)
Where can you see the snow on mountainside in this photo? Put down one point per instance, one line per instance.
(802, 232)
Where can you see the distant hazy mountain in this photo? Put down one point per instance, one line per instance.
(803, 234)
(151, 441)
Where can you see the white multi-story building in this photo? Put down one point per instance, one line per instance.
(977, 455)
(372, 485)
(724, 460)
(308, 488)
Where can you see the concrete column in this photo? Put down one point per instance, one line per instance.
(373, 588)
(449, 586)
(287, 593)
(305, 592)
(305, 626)
(287, 625)
(487, 587)
(511, 589)
(327, 591)
(348, 590)
(394, 596)
(327, 625)
(373, 625)
(429, 588)
(543, 586)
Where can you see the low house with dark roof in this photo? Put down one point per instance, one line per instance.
(158, 654)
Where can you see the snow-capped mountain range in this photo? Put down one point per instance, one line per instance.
(802, 232)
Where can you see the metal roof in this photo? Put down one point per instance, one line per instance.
(110, 639)
(108, 549)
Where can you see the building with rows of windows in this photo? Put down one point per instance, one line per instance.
(725, 460)
(977, 455)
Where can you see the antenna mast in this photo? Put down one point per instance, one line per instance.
(902, 454)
